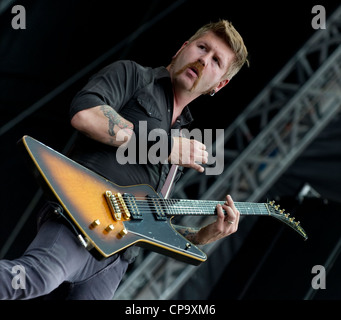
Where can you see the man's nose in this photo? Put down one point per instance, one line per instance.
(203, 60)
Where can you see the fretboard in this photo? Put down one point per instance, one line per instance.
(173, 207)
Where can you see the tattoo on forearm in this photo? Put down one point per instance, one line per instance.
(188, 233)
(109, 113)
(114, 119)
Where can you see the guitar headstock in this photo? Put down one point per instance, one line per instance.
(275, 211)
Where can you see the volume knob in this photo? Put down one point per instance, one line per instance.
(109, 228)
(95, 223)
(123, 232)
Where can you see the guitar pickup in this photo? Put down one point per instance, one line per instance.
(117, 206)
(157, 207)
(132, 206)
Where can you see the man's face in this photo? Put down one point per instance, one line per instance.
(200, 65)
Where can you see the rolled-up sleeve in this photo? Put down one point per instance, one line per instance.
(113, 86)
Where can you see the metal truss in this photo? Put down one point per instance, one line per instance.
(258, 147)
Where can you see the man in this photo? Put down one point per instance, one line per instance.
(118, 106)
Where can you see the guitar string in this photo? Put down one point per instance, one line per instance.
(201, 207)
(193, 204)
(148, 205)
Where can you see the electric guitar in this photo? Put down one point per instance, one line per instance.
(110, 218)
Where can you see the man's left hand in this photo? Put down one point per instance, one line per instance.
(224, 226)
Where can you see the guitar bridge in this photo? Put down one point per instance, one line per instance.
(117, 206)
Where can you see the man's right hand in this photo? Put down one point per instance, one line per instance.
(188, 153)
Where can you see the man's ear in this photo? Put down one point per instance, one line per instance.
(222, 84)
(183, 46)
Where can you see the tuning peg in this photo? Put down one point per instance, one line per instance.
(282, 211)
(277, 207)
(287, 215)
(297, 223)
(271, 203)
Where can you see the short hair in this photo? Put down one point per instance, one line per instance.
(225, 30)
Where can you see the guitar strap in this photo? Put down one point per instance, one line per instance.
(167, 187)
(169, 181)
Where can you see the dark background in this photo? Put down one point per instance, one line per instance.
(63, 37)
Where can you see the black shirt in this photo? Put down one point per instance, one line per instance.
(138, 94)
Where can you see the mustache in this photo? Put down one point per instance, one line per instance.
(197, 66)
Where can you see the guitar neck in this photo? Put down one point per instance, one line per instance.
(175, 207)
(181, 207)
